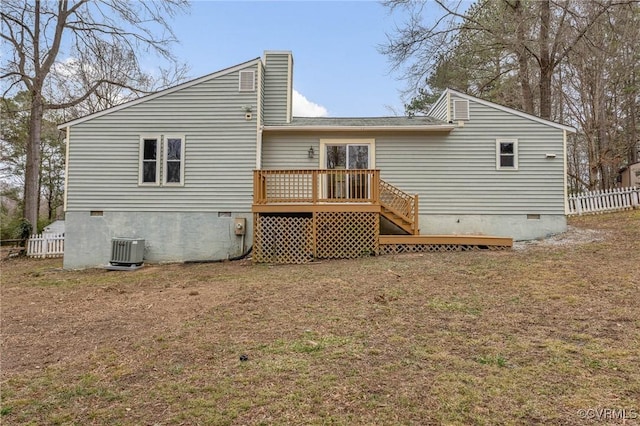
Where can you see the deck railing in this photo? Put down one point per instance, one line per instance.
(399, 202)
(316, 186)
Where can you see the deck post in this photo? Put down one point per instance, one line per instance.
(314, 191)
(314, 234)
(263, 187)
(416, 229)
(375, 187)
(256, 187)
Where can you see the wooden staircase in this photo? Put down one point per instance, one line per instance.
(399, 207)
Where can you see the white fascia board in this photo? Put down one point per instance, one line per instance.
(436, 103)
(160, 93)
(434, 128)
(513, 111)
(66, 169)
(277, 52)
(289, 88)
(274, 52)
(259, 116)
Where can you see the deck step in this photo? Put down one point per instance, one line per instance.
(400, 222)
(472, 240)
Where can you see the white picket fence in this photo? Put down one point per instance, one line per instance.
(45, 245)
(609, 200)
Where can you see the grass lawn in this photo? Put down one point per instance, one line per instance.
(547, 333)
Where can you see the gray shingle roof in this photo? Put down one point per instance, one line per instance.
(360, 121)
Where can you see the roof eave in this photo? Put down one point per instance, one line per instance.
(522, 114)
(433, 128)
(160, 93)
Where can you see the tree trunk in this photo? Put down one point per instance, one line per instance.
(50, 207)
(546, 62)
(523, 61)
(633, 139)
(32, 169)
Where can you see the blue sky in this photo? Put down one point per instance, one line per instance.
(334, 44)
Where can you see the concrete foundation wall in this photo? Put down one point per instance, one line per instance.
(169, 237)
(516, 226)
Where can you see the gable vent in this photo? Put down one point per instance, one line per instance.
(461, 109)
(247, 81)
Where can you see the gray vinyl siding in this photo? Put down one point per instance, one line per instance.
(289, 151)
(455, 173)
(276, 87)
(219, 152)
(439, 110)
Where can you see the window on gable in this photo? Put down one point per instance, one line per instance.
(507, 154)
(149, 161)
(247, 81)
(174, 160)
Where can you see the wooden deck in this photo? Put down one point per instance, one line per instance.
(301, 215)
(313, 208)
(316, 186)
(398, 244)
(323, 190)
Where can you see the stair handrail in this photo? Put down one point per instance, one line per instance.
(401, 203)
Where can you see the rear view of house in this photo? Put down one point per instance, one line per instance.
(211, 167)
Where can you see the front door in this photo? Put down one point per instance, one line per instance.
(347, 157)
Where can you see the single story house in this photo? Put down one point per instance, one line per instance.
(211, 167)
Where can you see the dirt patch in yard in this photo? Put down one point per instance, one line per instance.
(547, 333)
(57, 316)
(572, 237)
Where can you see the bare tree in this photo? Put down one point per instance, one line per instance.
(602, 94)
(532, 39)
(39, 33)
(573, 61)
(118, 64)
(14, 122)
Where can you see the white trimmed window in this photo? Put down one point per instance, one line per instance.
(507, 154)
(161, 160)
(173, 160)
(149, 160)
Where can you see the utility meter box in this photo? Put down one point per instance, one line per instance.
(240, 225)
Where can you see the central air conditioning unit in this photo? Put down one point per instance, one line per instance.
(127, 252)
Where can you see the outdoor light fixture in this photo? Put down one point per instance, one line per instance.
(311, 152)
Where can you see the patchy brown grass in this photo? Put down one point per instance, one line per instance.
(527, 336)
